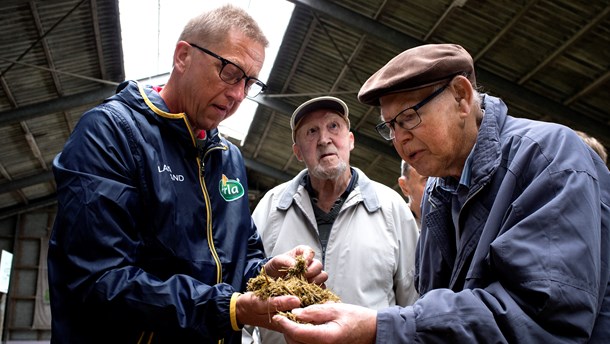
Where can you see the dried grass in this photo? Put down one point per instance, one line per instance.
(294, 283)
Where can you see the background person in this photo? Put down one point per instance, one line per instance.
(515, 245)
(362, 230)
(594, 144)
(412, 185)
(153, 240)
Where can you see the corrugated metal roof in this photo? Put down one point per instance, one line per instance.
(57, 58)
(548, 60)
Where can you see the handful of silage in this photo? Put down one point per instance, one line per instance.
(294, 283)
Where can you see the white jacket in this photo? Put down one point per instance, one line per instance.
(370, 255)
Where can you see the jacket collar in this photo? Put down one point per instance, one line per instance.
(487, 152)
(365, 189)
(147, 101)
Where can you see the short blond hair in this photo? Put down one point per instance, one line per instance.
(212, 27)
(596, 145)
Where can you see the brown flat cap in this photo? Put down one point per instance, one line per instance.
(325, 102)
(415, 68)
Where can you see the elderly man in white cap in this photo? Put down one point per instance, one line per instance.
(515, 242)
(362, 230)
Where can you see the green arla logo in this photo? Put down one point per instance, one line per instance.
(230, 190)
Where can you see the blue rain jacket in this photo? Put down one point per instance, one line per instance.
(531, 264)
(153, 233)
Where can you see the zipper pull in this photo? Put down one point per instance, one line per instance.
(201, 143)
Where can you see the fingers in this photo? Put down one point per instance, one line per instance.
(249, 303)
(286, 326)
(315, 272)
(277, 265)
(284, 303)
(329, 323)
(305, 251)
(314, 314)
(251, 310)
(300, 333)
(317, 278)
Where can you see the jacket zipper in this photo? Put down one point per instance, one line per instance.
(201, 164)
(208, 207)
(466, 202)
(459, 231)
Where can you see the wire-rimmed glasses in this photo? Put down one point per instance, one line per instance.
(232, 74)
(406, 119)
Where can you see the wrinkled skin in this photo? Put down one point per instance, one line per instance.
(336, 323)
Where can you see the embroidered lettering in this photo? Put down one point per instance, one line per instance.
(172, 176)
(165, 169)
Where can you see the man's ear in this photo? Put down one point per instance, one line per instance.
(297, 152)
(181, 54)
(402, 182)
(463, 93)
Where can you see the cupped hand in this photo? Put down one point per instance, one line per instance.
(330, 323)
(278, 265)
(251, 310)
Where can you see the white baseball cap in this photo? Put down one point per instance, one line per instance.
(325, 102)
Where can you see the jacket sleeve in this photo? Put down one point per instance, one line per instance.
(541, 265)
(96, 240)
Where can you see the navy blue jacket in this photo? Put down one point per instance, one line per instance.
(152, 235)
(531, 261)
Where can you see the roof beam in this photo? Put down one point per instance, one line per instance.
(24, 208)
(293, 69)
(18, 193)
(17, 184)
(566, 45)
(592, 86)
(507, 89)
(45, 47)
(95, 22)
(65, 103)
(505, 29)
(359, 22)
(267, 170)
(441, 20)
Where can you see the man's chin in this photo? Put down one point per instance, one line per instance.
(328, 172)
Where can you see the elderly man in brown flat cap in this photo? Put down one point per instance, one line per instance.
(514, 244)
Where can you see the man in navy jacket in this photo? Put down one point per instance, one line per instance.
(514, 244)
(153, 240)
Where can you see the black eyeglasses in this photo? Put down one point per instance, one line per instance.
(406, 119)
(232, 74)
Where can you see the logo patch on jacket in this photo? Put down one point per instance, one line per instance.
(230, 189)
